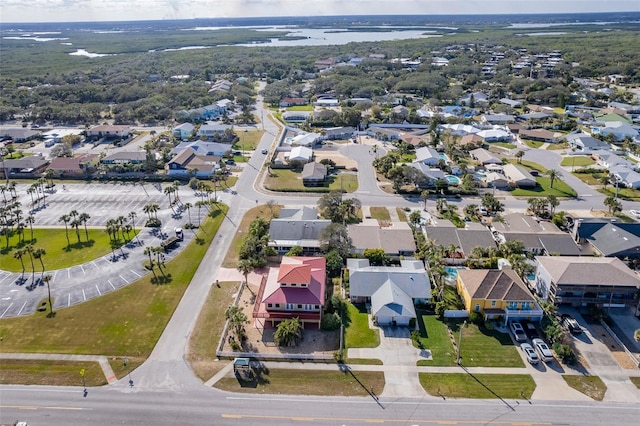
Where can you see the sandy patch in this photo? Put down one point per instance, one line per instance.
(338, 158)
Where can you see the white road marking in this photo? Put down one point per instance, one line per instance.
(109, 281)
(5, 311)
(23, 305)
(124, 279)
(83, 271)
(68, 299)
(99, 292)
(84, 295)
(135, 273)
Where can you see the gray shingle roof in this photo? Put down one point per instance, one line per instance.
(390, 301)
(365, 281)
(567, 270)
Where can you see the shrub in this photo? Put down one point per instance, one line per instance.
(440, 308)
(476, 318)
(565, 353)
(330, 321)
(488, 325)
(153, 223)
(412, 323)
(415, 337)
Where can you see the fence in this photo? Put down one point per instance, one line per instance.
(225, 330)
(277, 357)
(450, 313)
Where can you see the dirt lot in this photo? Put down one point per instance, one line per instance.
(617, 351)
(339, 159)
(261, 340)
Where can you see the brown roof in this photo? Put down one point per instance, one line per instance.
(494, 284)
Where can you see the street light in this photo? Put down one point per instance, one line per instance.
(464, 324)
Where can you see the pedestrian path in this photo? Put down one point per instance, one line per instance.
(102, 360)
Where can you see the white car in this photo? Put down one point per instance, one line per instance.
(531, 355)
(543, 350)
(635, 213)
(518, 332)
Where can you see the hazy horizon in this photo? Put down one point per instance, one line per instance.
(44, 11)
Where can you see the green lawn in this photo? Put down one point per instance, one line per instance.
(247, 139)
(263, 211)
(402, 215)
(307, 382)
(624, 193)
(482, 386)
(557, 146)
(289, 181)
(543, 189)
(380, 213)
(592, 386)
(532, 144)
(50, 373)
(504, 145)
(357, 331)
(589, 178)
(59, 254)
(485, 348)
(434, 336)
(126, 322)
(635, 381)
(577, 161)
(307, 107)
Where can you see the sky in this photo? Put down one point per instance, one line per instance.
(129, 10)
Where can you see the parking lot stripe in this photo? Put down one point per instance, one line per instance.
(109, 281)
(84, 296)
(124, 279)
(68, 299)
(5, 311)
(23, 305)
(99, 292)
(82, 267)
(5, 277)
(137, 274)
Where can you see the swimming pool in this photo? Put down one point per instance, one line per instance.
(452, 272)
(454, 180)
(443, 156)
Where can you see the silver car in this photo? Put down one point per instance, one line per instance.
(543, 350)
(531, 355)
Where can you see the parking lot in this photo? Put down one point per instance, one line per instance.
(20, 295)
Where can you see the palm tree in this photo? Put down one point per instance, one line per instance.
(66, 219)
(48, 174)
(288, 332)
(17, 254)
(605, 180)
(83, 218)
(30, 219)
(237, 319)
(75, 223)
(29, 250)
(147, 209)
(31, 190)
(149, 251)
(553, 175)
(47, 279)
(187, 207)
(519, 156)
(613, 204)
(245, 268)
(553, 202)
(38, 254)
(425, 196)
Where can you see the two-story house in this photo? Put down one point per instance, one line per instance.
(296, 289)
(496, 293)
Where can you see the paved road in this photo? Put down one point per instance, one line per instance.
(69, 406)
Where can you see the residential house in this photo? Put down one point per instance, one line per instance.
(511, 102)
(484, 157)
(109, 131)
(183, 131)
(19, 134)
(475, 98)
(296, 116)
(538, 237)
(188, 163)
(296, 289)
(625, 176)
(287, 102)
(396, 239)
(221, 86)
(585, 142)
(459, 129)
(300, 153)
(392, 291)
(494, 135)
(498, 118)
(583, 282)
(608, 237)
(302, 139)
(495, 180)
(125, 157)
(497, 294)
(297, 227)
(26, 167)
(325, 63)
(210, 131)
(518, 176)
(432, 174)
(618, 129)
(327, 102)
(55, 136)
(203, 148)
(609, 160)
(471, 139)
(541, 135)
(74, 166)
(428, 156)
(314, 174)
(459, 242)
(335, 133)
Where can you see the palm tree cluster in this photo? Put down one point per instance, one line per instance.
(75, 219)
(254, 249)
(11, 216)
(338, 209)
(152, 212)
(543, 207)
(288, 332)
(613, 204)
(237, 320)
(156, 258)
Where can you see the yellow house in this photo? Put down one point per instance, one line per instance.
(497, 293)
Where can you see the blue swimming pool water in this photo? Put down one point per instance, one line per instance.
(452, 272)
(455, 180)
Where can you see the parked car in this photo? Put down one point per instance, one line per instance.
(530, 329)
(635, 213)
(518, 332)
(571, 324)
(543, 350)
(265, 151)
(531, 355)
